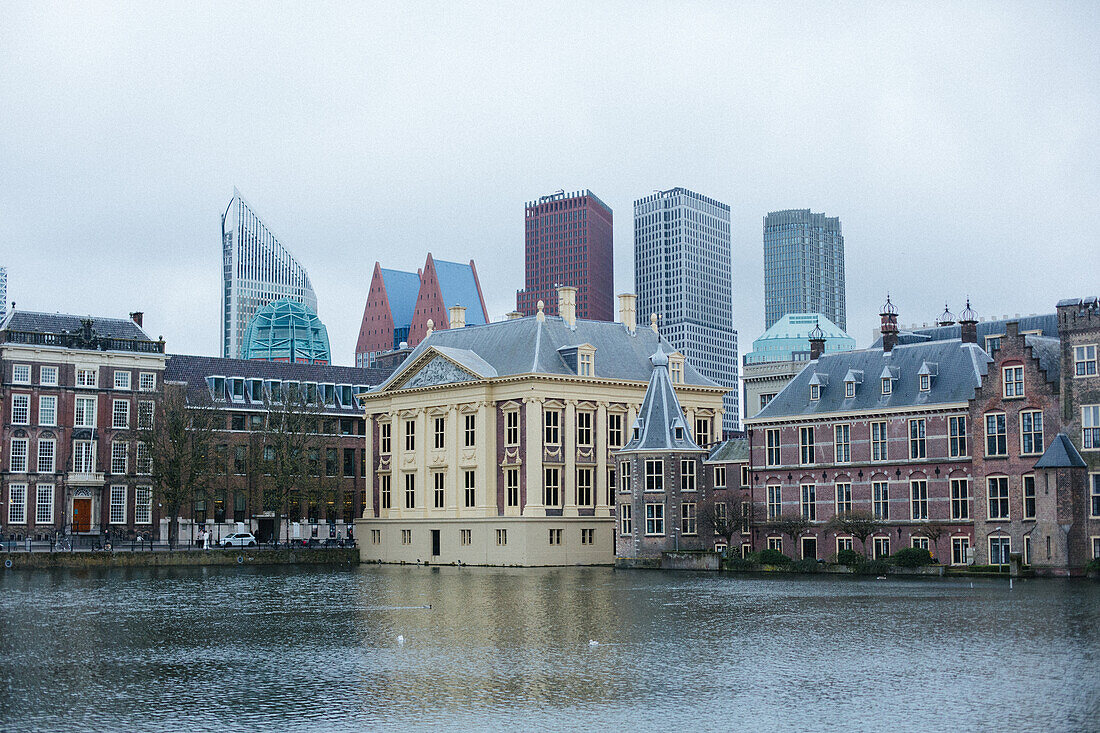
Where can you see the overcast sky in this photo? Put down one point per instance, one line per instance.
(956, 142)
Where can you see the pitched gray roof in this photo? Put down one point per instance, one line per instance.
(1047, 323)
(735, 450)
(527, 345)
(1049, 353)
(960, 370)
(58, 323)
(1061, 454)
(660, 425)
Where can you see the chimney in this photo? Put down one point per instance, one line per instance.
(628, 312)
(968, 325)
(817, 342)
(889, 327)
(458, 316)
(514, 315)
(136, 316)
(1012, 329)
(567, 305)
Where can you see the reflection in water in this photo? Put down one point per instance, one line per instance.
(315, 649)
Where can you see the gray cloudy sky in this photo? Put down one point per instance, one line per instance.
(957, 143)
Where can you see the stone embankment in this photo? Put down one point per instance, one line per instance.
(178, 558)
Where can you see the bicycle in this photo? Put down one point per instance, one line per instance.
(62, 544)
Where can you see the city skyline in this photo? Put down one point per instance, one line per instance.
(948, 159)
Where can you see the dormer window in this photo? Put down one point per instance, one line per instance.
(925, 383)
(887, 385)
(815, 392)
(849, 389)
(679, 433)
(584, 364)
(676, 368)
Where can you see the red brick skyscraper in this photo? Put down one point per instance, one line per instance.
(568, 242)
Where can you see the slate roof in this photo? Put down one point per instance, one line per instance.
(735, 450)
(960, 370)
(120, 328)
(1061, 454)
(458, 285)
(527, 345)
(1049, 353)
(1047, 323)
(660, 425)
(402, 289)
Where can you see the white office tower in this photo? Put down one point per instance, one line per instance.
(256, 270)
(682, 273)
(3, 292)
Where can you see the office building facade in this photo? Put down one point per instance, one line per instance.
(568, 242)
(682, 274)
(256, 270)
(803, 266)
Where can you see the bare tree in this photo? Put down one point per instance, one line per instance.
(859, 524)
(933, 531)
(728, 522)
(792, 525)
(292, 445)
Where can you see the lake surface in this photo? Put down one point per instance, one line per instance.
(226, 649)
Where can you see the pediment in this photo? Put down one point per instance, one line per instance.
(436, 371)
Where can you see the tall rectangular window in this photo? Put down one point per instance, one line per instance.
(20, 409)
(960, 548)
(584, 428)
(809, 502)
(1029, 497)
(1013, 381)
(511, 485)
(960, 498)
(687, 518)
(998, 497)
(1084, 360)
(842, 443)
(719, 476)
(143, 461)
(384, 491)
(584, 487)
(720, 516)
(654, 519)
(772, 444)
(654, 474)
(918, 500)
(1094, 495)
(120, 414)
(84, 412)
(47, 410)
(1090, 427)
(775, 501)
(999, 550)
(956, 428)
(687, 475)
(118, 505)
(584, 364)
(878, 441)
(1031, 432)
(552, 487)
(511, 428)
(996, 436)
(47, 455)
(614, 430)
(880, 499)
(917, 439)
(17, 462)
(843, 498)
(469, 431)
(551, 420)
(806, 446)
(143, 505)
(410, 491)
(43, 506)
(384, 440)
(702, 431)
(410, 435)
(469, 488)
(624, 476)
(626, 523)
(440, 432)
(17, 503)
(438, 494)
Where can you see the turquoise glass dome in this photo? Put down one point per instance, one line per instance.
(286, 330)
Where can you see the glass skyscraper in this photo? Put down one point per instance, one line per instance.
(682, 273)
(3, 292)
(803, 266)
(256, 270)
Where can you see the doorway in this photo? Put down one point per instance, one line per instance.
(82, 514)
(809, 548)
(435, 543)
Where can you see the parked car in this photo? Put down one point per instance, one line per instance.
(239, 539)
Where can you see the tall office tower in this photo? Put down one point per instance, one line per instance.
(803, 266)
(3, 292)
(682, 273)
(568, 242)
(256, 269)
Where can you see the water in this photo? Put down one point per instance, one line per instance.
(226, 649)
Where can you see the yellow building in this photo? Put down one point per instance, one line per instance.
(494, 444)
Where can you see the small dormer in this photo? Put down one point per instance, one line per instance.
(579, 358)
(679, 426)
(636, 431)
(887, 378)
(928, 372)
(676, 367)
(216, 384)
(818, 382)
(851, 379)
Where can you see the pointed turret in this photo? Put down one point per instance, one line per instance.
(660, 425)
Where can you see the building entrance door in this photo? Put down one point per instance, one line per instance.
(82, 515)
(435, 542)
(809, 548)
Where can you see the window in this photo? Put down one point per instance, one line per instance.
(410, 435)
(626, 524)
(17, 503)
(384, 439)
(21, 374)
(120, 414)
(744, 475)
(878, 441)
(147, 381)
(772, 444)
(1029, 497)
(143, 460)
(469, 438)
(849, 389)
(551, 427)
(918, 500)
(998, 497)
(844, 543)
(775, 543)
(502, 537)
(349, 462)
(1031, 432)
(687, 475)
(809, 502)
(766, 398)
(384, 490)
(407, 536)
(584, 487)
(122, 379)
(676, 369)
(960, 498)
(775, 501)
(1090, 427)
(143, 505)
(996, 436)
(584, 428)
(917, 441)
(654, 474)
(993, 343)
(43, 506)
(720, 517)
(1094, 495)
(18, 461)
(588, 536)
(702, 431)
(925, 382)
(511, 428)
(880, 499)
(815, 392)
(1084, 360)
(552, 487)
(584, 367)
(842, 443)
(919, 542)
(440, 424)
(806, 445)
(84, 416)
(47, 410)
(410, 491)
(86, 378)
(555, 537)
(687, 518)
(719, 476)
(47, 455)
(1013, 381)
(843, 498)
(118, 505)
(999, 550)
(881, 547)
(654, 519)
(437, 489)
(956, 428)
(887, 385)
(746, 516)
(511, 485)
(1027, 550)
(47, 376)
(614, 430)
(465, 536)
(469, 487)
(20, 409)
(960, 548)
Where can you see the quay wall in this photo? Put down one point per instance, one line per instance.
(178, 558)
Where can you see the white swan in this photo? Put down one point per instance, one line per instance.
(400, 639)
